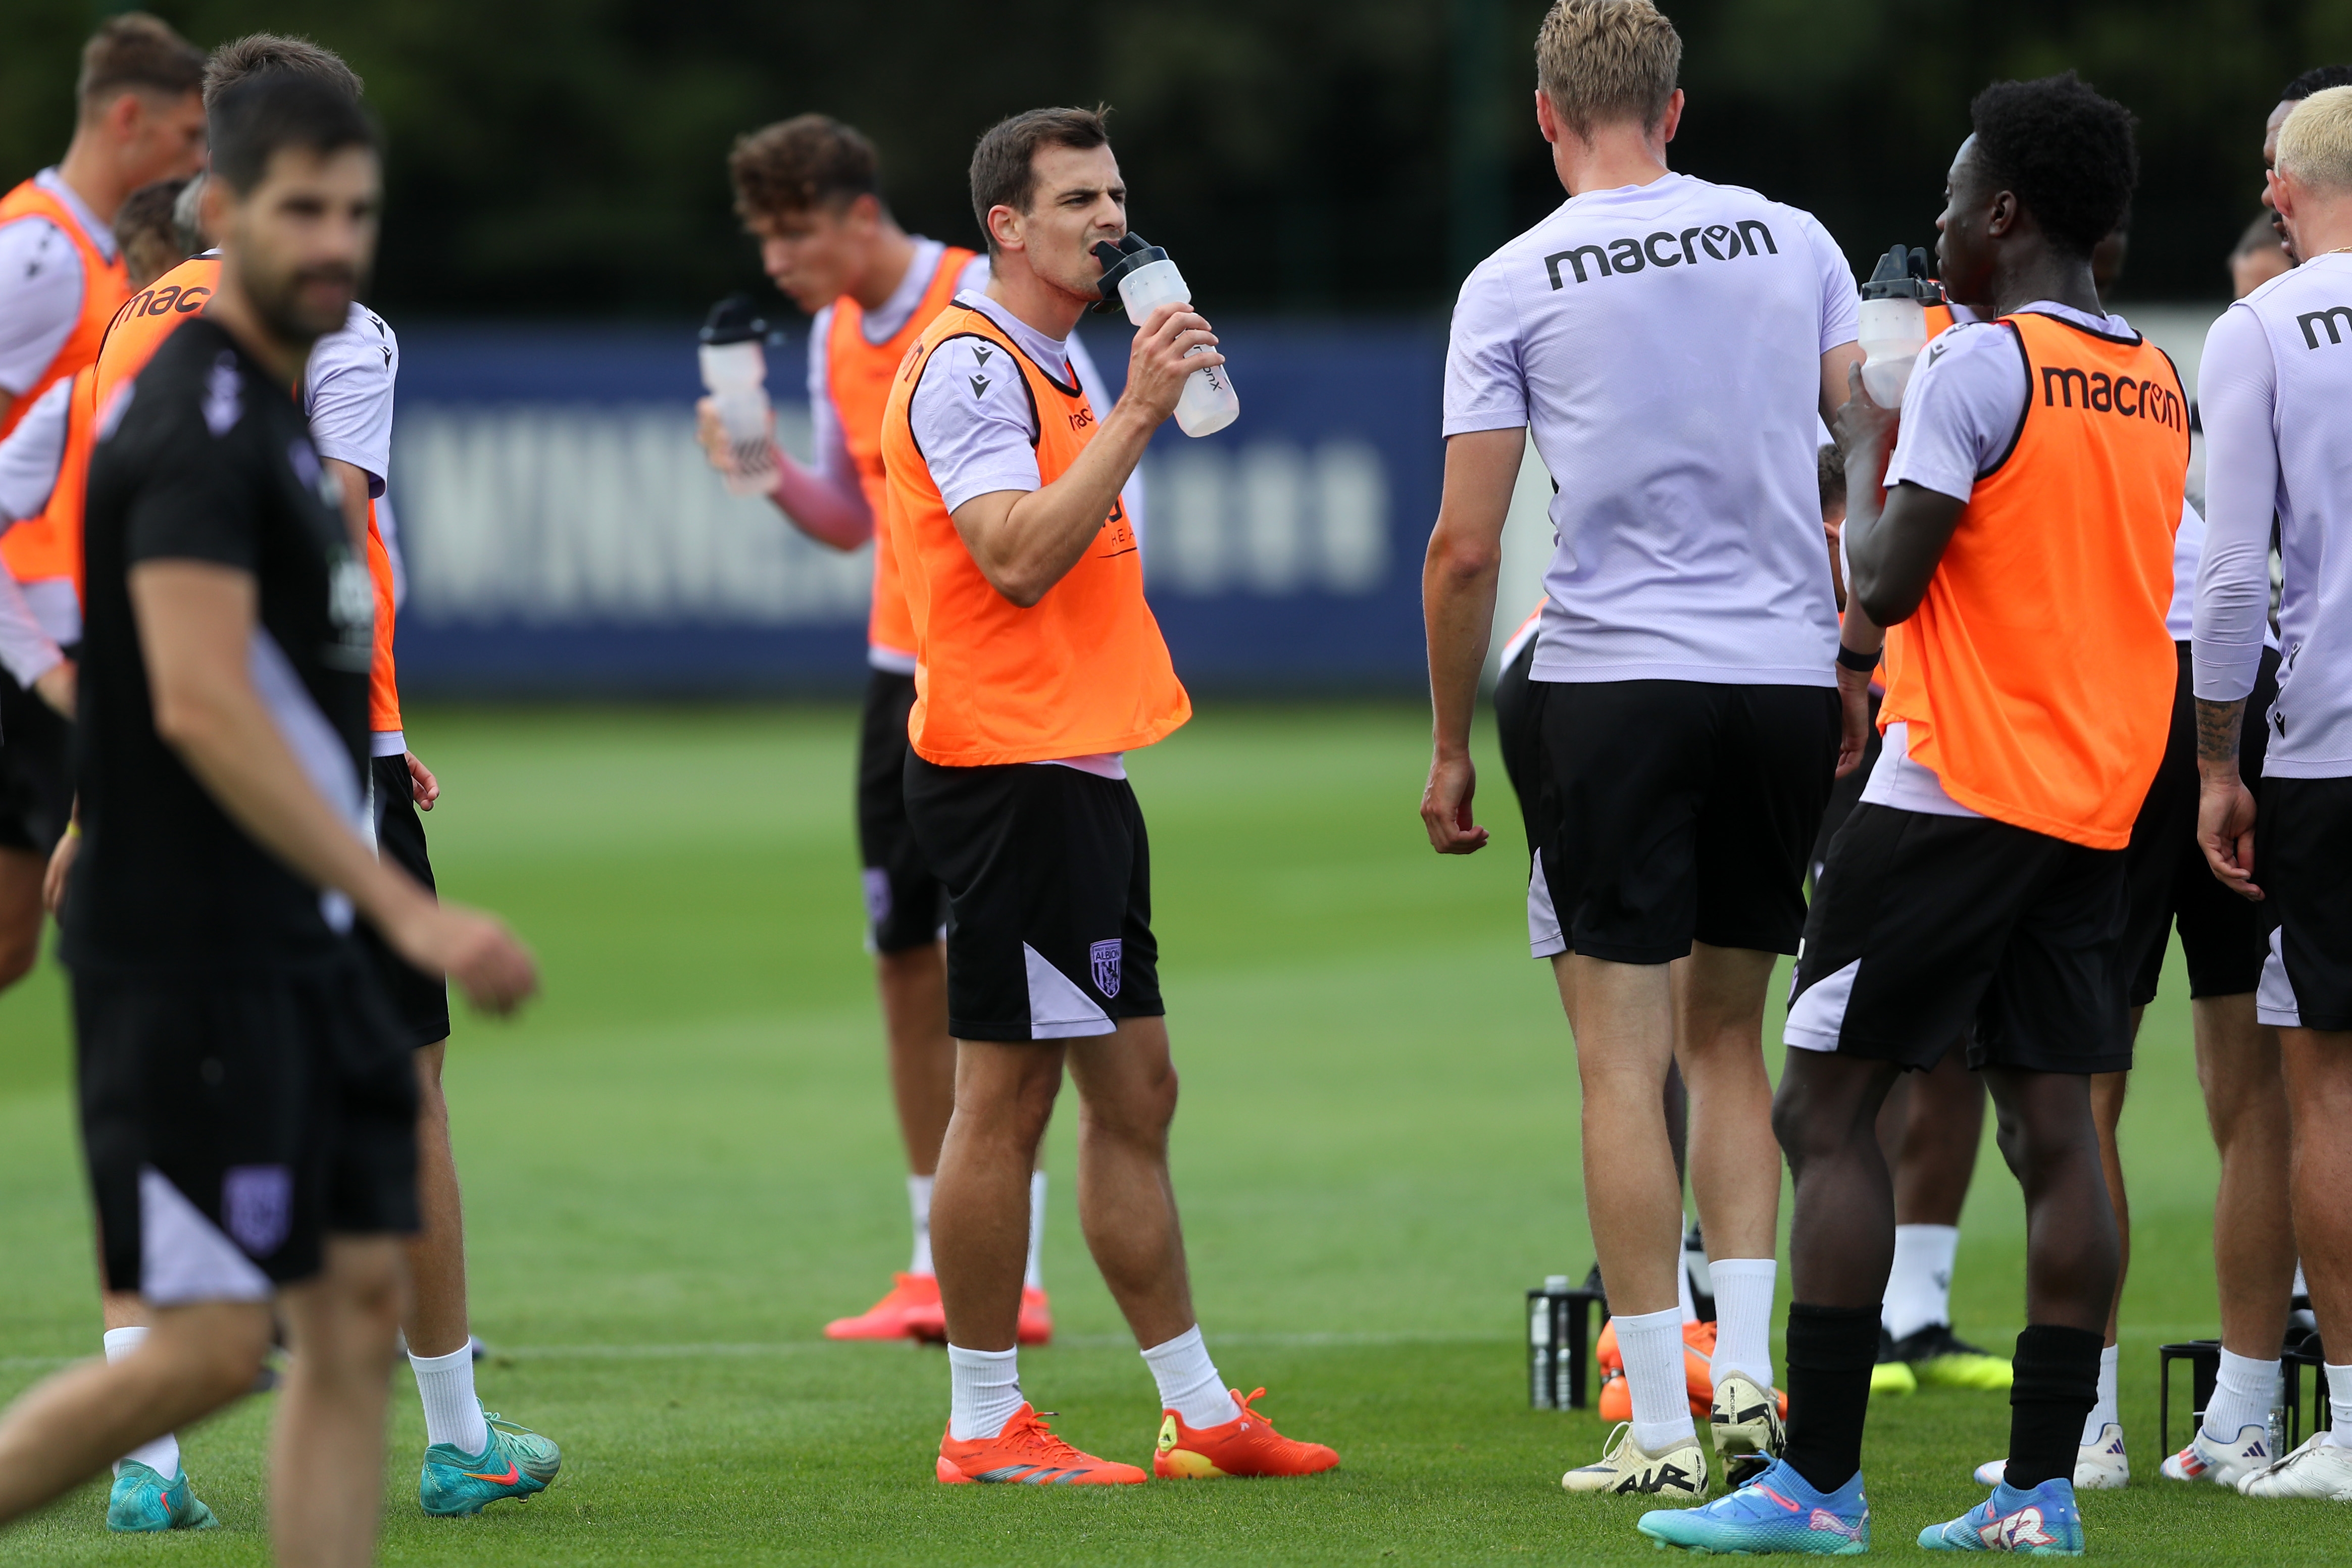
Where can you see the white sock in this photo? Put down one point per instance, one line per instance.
(2244, 1392)
(1031, 1277)
(1683, 1303)
(1189, 1384)
(1651, 1345)
(452, 1414)
(2339, 1406)
(2104, 1410)
(1919, 1287)
(162, 1455)
(1743, 1317)
(983, 1391)
(918, 1200)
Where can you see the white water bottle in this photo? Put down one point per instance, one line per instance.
(735, 374)
(1146, 279)
(1893, 322)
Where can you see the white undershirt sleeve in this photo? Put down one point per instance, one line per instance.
(972, 419)
(40, 299)
(35, 450)
(26, 651)
(1486, 377)
(2235, 385)
(1960, 411)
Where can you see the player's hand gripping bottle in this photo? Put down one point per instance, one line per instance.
(1140, 276)
(735, 374)
(1894, 322)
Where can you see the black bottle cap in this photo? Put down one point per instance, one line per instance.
(1130, 251)
(733, 320)
(1903, 275)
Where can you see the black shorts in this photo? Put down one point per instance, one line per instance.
(2302, 844)
(905, 904)
(1048, 875)
(1515, 727)
(1926, 929)
(419, 1001)
(1675, 812)
(35, 771)
(233, 1122)
(2222, 934)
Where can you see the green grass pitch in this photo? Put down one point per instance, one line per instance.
(681, 1163)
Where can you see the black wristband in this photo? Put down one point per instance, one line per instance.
(1852, 659)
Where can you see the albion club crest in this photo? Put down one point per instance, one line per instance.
(1106, 966)
(257, 1207)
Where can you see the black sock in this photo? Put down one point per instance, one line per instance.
(2057, 1382)
(1830, 1353)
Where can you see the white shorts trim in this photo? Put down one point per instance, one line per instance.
(1057, 1009)
(184, 1257)
(1817, 1017)
(2274, 997)
(1545, 939)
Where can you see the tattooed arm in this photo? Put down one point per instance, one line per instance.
(2225, 807)
(2235, 384)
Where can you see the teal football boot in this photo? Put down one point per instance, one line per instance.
(142, 1500)
(515, 1462)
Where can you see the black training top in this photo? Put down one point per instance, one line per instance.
(206, 458)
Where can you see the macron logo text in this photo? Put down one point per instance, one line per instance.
(1718, 242)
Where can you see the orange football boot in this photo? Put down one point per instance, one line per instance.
(1616, 1399)
(891, 1317)
(929, 1322)
(1028, 1454)
(1245, 1446)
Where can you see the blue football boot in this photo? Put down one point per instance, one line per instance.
(142, 1500)
(1778, 1512)
(2041, 1522)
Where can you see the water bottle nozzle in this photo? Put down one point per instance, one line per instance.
(1119, 258)
(733, 320)
(1903, 275)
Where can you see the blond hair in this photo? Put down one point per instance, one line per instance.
(2315, 145)
(1601, 61)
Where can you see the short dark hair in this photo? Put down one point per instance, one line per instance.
(145, 217)
(2318, 78)
(1004, 163)
(1829, 468)
(2261, 234)
(135, 52)
(254, 119)
(793, 165)
(2065, 151)
(257, 52)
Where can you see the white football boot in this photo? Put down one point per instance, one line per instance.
(2318, 1468)
(2098, 1466)
(1681, 1471)
(2224, 1464)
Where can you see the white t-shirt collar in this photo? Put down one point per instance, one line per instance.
(1052, 354)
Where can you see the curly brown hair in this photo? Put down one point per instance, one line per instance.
(809, 160)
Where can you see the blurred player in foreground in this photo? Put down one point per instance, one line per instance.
(1016, 551)
(248, 1111)
(1684, 670)
(809, 189)
(140, 120)
(472, 1457)
(2275, 384)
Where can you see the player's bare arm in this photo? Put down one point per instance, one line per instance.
(2225, 807)
(1457, 595)
(1024, 541)
(832, 515)
(196, 626)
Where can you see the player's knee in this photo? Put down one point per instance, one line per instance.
(1804, 1124)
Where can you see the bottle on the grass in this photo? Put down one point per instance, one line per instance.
(735, 374)
(1140, 276)
(1893, 322)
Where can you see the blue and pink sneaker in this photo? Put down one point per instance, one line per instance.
(1778, 1512)
(2043, 1523)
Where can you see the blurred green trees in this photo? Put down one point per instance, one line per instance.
(564, 156)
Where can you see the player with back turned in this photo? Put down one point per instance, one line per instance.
(1684, 673)
(1978, 889)
(247, 1113)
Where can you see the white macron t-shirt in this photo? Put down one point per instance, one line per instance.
(41, 286)
(1663, 342)
(347, 395)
